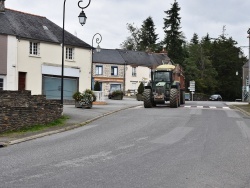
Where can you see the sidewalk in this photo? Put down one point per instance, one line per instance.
(82, 116)
(77, 117)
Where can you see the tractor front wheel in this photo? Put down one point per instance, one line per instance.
(174, 101)
(147, 98)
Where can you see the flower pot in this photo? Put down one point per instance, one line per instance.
(117, 97)
(77, 104)
(82, 104)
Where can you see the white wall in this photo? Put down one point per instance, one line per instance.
(11, 81)
(51, 55)
(142, 74)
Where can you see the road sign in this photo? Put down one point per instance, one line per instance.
(191, 86)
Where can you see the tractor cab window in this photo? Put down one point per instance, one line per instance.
(162, 76)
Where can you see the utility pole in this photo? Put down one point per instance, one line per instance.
(248, 32)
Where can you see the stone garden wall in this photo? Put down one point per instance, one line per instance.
(20, 109)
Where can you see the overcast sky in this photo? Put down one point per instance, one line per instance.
(109, 17)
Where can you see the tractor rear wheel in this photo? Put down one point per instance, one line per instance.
(147, 98)
(182, 95)
(174, 98)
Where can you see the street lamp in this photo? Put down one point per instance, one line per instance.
(82, 19)
(98, 49)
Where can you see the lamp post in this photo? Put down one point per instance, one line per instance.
(82, 19)
(236, 74)
(248, 32)
(98, 49)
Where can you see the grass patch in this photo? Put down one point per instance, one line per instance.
(36, 128)
(244, 107)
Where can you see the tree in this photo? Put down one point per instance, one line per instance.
(147, 35)
(97, 86)
(132, 42)
(141, 88)
(174, 39)
(195, 39)
(226, 61)
(199, 67)
(143, 38)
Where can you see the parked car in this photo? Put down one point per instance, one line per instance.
(187, 96)
(215, 97)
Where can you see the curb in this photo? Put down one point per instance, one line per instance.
(5, 144)
(242, 111)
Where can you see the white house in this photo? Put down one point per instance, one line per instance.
(31, 56)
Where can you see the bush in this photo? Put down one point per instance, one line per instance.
(77, 96)
(141, 88)
(88, 91)
(117, 93)
(87, 95)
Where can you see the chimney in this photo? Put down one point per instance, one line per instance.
(2, 7)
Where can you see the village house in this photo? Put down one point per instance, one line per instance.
(117, 69)
(31, 59)
(31, 56)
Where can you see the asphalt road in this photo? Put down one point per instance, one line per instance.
(201, 145)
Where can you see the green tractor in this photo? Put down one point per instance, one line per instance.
(167, 84)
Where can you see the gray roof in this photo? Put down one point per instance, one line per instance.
(108, 56)
(24, 25)
(128, 57)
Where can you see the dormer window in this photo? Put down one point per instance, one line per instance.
(69, 53)
(34, 48)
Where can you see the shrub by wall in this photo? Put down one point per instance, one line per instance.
(20, 109)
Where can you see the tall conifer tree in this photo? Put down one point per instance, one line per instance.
(148, 37)
(174, 38)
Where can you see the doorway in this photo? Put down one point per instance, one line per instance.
(21, 81)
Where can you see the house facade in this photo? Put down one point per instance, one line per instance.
(124, 70)
(31, 56)
(109, 70)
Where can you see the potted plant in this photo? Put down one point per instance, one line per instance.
(77, 96)
(84, 99)
(139, 95)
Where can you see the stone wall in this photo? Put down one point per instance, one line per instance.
(20, 109)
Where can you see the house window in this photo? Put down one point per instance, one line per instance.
(1, 84)
(114, 70)
(134, 71)
(69, 53)
(98, 69)
(34, 48)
